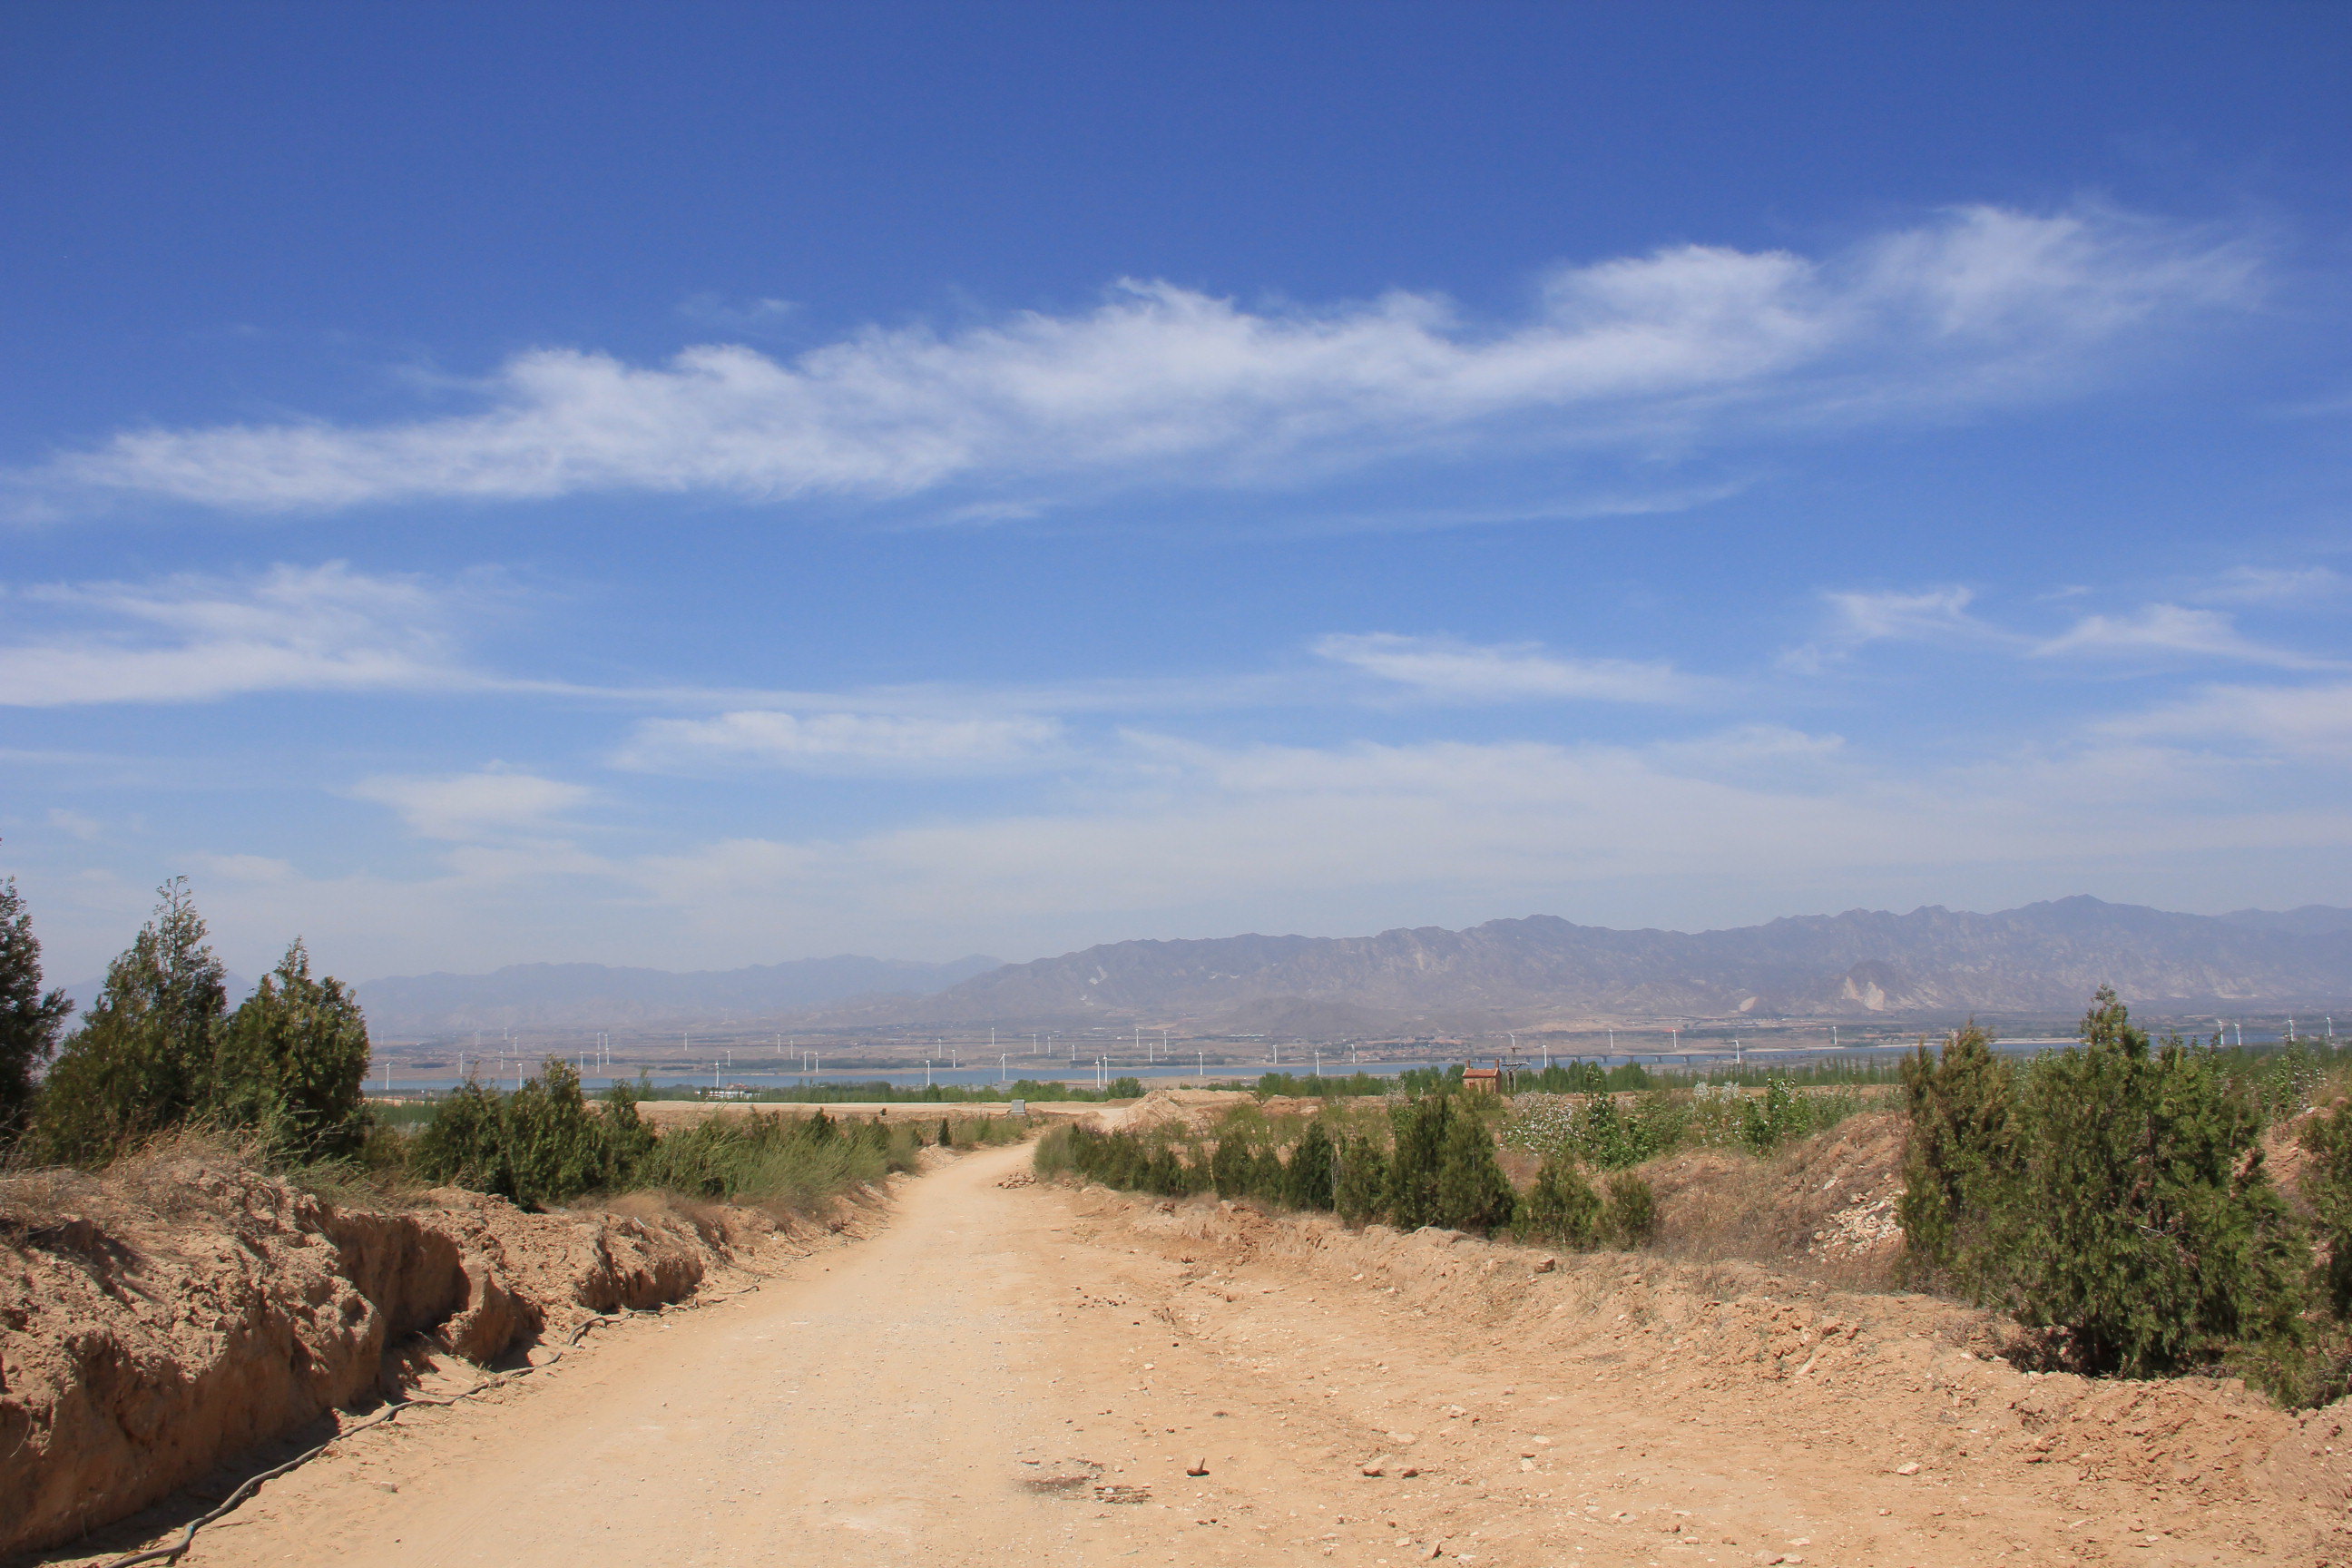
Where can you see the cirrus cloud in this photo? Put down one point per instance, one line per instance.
(197, 638)
(1445, 669)
(842, 742)
(493, 802)
(1165, 384)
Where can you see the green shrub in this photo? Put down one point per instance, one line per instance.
(631, 1140)
(1053, 1155)
(2146, 1231)
(1471, 1191)
(1267, 1179)
(1560, 1209)
(1768, 1120)
(2114, 1195)
(2328, 1140)
(142, 1061)
(1416, 1158)
(1233, 1170)
(1630, 1217)
(464, 1144)
(1957, 1161)
(290, 1065)
(29, 1020)
(542, 1144)
(1360, 1183)
(556, 1148)
(160, 1050)
(1308, 1174)
(796, 1163)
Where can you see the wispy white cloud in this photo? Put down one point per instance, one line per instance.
(77, 825)
(1447, 669)
(2295, 720)
(493, 802)
(1945, 616)
(1935, 614)
(2167, 629)
(196, 638)
(844, 742)
(1163, 384)
(2275, 585)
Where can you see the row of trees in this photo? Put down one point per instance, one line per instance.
(161, 1047)
(544, 1144)
(1432, 1164)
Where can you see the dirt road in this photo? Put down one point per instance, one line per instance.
(1024, 1375)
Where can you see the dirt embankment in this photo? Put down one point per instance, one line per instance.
(1906, 1389)
(1824, 1205)
(160, 1320)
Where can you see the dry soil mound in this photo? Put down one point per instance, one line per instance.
(179, 1310)
(1919, 1379)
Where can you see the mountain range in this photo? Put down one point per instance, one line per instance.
(2043, 959)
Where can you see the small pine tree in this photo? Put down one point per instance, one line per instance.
(1560, 1208)
(557, 1148)
(1360, 1181)
(1958, 1162)
(1631, 1216)
(1471, 1191)
(626, 1132)
(2147, 1230)
(1266, 1179)
(29, 1020)
(143, 1060)
(2328, 1140)
(1419, 1156)
(464, 1144)
(1232, 1170)
(1306, 1178)
(292, 1061)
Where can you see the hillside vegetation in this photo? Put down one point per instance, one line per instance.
(280, 1077)
(2112, 1198)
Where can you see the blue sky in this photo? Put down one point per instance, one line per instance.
(698, 485)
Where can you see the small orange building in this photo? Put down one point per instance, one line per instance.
(1483, 1080)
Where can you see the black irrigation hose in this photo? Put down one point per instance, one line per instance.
(172, 1554)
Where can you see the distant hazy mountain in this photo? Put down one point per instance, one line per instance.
(2043, 959)
(2312, 920)
(594, 996)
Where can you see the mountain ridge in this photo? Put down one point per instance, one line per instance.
(2040, 958)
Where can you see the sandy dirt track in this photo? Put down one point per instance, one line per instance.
(1018, 1374)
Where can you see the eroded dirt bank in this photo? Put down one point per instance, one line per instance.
(176, 1312)
(1585, 1397)
(1017, 1372)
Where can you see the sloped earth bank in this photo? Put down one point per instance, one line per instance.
(180, 1312)
(1014, 1372)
